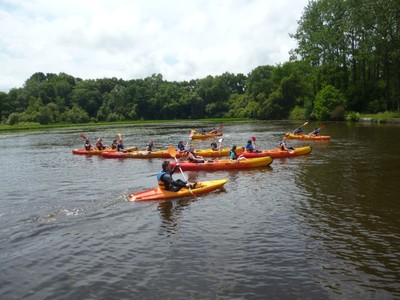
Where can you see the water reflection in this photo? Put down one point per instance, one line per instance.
(349, 216)
(171, 214)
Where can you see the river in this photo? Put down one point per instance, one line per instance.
(321, 226)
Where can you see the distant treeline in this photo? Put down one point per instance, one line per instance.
(347, 62)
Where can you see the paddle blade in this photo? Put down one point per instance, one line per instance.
(84, 137)
(119, 135)
(220, 140)
(304, 124)
(172, 152)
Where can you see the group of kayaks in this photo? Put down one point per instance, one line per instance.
(214, 160)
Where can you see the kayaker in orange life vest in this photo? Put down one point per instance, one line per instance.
(166, 182)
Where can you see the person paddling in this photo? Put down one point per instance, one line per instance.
(250, 148)
(150, 146)
(88, 145)
(315, 132)
(192, 157)
(99, 144)
(181, 146)
(233, 154)
(166, 182)
(283, 145)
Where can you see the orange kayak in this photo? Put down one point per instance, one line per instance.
(198, 136)
(96, 152)
(277, 153)
(159, 194)
(165, 153)
(308, 137)
(225, 164)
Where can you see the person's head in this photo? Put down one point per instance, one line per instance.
(114, 141)
(284, 139)
(150, 142)
(234, 147)
(99, 139)
(180, 142)
(165, 166)
(249, 142)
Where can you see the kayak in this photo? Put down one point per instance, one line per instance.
(160, 194)
(95, 152)
(225, 164)
(137, 154)
(214, 153)
(198, 136)
(277, 153)
(308, 137)
(166, 154)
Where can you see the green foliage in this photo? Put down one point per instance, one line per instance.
(382, 115)
(353, 116)
(327, 103)
(298, 113)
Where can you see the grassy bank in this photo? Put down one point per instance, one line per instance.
(384, 117)
(37, 127)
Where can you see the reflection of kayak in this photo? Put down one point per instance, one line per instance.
(277, 153)
(308, 137)
(225, 164)
(96, 152)
(198, 136)
(165, 153)
(159, 194)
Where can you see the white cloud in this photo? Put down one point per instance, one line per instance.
(128, 39)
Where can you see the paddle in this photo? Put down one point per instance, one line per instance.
(294, 131)
(190, 138)
(215, 131)
(220, 145)
(172, 152)
(254, 139)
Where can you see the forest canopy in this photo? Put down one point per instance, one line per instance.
(347, 60)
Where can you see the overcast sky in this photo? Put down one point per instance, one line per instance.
(132, 39)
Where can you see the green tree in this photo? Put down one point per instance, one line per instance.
(327, 101)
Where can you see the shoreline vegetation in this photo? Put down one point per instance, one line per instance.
(387, 117)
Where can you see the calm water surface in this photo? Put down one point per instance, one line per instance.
(322, 226)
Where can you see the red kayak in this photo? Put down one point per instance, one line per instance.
(277, 153)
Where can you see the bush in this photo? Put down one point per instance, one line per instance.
(353, 116)
(298, 113)
(327, 100)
